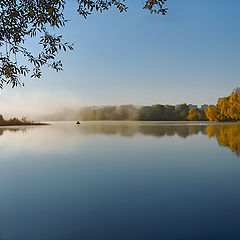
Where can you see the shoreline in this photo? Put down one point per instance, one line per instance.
(23, 124)
(131, 122)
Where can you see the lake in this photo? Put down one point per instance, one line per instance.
(120, 180)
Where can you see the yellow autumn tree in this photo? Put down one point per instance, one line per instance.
(234, 102)
(195, 114)
(211, 113)
(227, 108)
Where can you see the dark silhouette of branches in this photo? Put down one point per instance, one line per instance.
(22, 20)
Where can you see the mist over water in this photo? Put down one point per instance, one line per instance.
(38, 106)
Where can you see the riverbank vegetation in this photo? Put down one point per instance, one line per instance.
(156, 112)
(17, 122)
(226, 109)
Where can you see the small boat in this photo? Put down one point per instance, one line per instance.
(78, 123)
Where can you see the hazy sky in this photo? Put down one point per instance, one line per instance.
(191, 55)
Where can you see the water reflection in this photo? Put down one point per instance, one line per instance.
(13, 130)
(226, 135)
(148, 130)
(59, 134)
(137, 180)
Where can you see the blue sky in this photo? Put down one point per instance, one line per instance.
(190, 55)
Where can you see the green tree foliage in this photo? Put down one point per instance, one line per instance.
(227, 108)
(156, 112)
(22, 20)
(182, 111)
(124, 112)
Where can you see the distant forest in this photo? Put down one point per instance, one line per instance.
(145, 113)
(226, 109)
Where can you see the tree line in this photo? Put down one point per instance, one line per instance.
(226, 109)
(156, 112)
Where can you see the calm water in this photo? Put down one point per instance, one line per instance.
(117, 180)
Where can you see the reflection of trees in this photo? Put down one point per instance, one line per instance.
(227, 135)
(2, 130)
(152, 130)
(168, 130)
